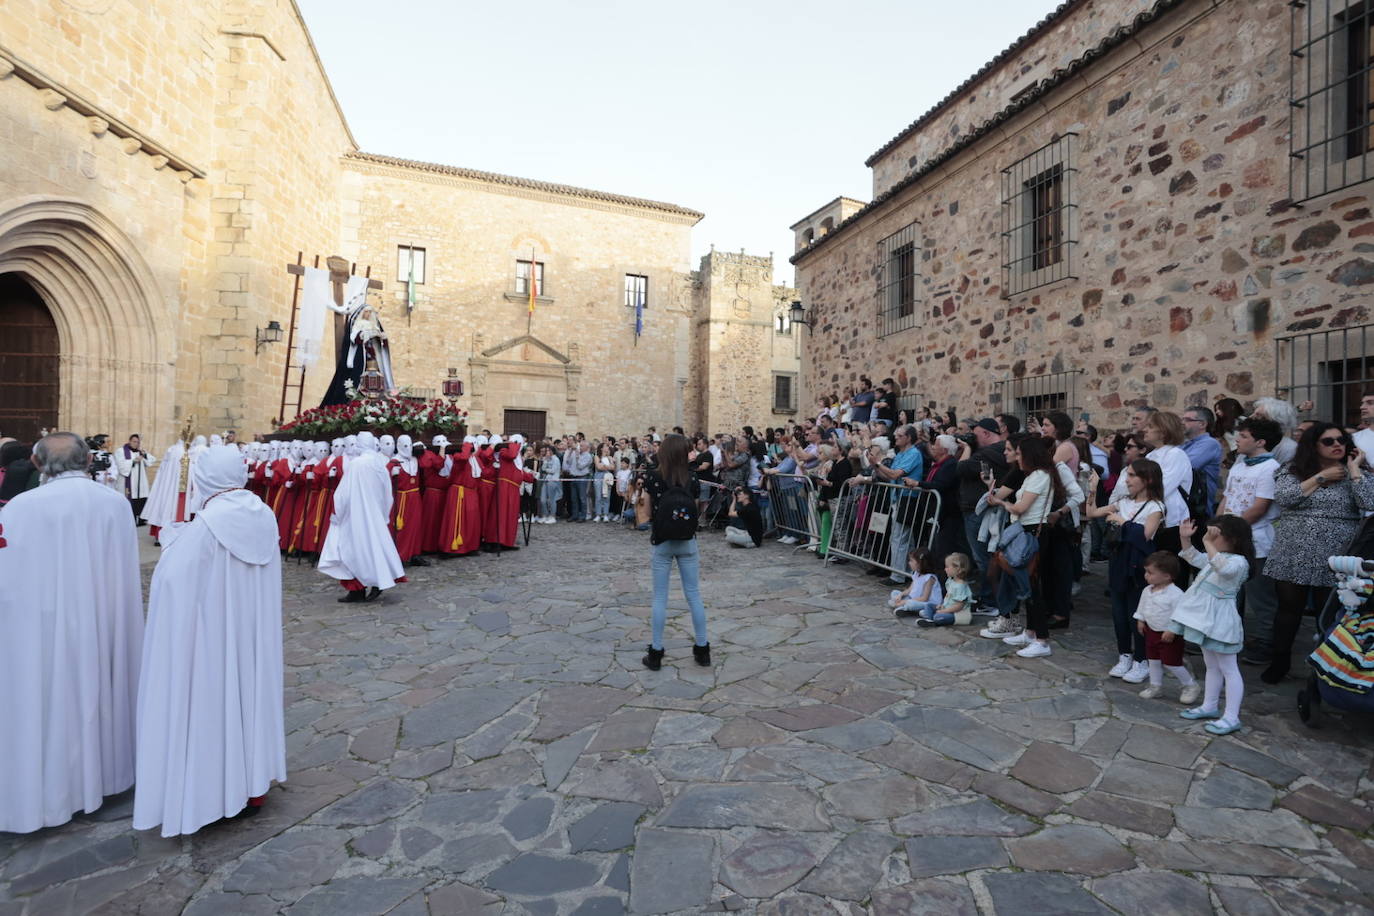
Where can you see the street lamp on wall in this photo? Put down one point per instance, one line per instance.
(267, 335)
(453, 385)
(797, 314)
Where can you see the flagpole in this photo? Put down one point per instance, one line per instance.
(529, 318)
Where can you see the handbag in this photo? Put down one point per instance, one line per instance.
(1112, 538)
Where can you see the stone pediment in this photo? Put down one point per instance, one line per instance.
(531, 348)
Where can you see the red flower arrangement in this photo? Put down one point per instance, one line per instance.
(406, 415)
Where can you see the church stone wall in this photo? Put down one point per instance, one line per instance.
(473, 232)
(1190, 259)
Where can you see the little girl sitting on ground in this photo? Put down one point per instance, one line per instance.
(1207, 616)
(1163, 649)
(924, 593)
(958, 604)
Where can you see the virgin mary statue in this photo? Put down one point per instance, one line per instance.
(364, 339)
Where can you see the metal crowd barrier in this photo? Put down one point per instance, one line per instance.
(792, 505)
(867, 517)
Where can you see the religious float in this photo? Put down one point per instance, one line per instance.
(386, 414)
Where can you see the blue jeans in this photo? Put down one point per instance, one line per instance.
(689, 568)
(602, 503)
(577, 505)
(982, 589)
(548, 498)
(901, 543)
(912, 606)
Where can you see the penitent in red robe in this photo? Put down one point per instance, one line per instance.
(432, 491)
(461, 530)
(257, 484)
(407, 512)
(508, 481)
(314, 523)
(301, 483)
(282, 499)
(486, 494)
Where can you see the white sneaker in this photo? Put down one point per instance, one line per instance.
(1001, 628)
(1123, 664)
(787, 539)
(1036, 649)
(984, 610)
(1139, 672)
(1190, 694)
(1152, 691)
(1077, 587)
(1020, 639)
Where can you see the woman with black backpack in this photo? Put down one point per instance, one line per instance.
(672, 489)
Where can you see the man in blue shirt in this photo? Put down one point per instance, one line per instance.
(1203, 451)
(906, 465)
(862, 402)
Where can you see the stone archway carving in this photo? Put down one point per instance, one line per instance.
(115, 368)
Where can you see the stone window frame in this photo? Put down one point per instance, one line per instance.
(403, 253)
(630, 292)
(782, 324)
(519, 294)
(791, 406)
(1040, 220)
(897, 293)
(1328, 84)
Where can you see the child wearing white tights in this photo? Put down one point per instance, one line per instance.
(1163, 649)
(1207, 615)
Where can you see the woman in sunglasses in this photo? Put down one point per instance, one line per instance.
(1323, 495)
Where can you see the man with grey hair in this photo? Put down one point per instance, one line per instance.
(71, 635)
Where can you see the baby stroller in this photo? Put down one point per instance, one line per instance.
(1342, 666)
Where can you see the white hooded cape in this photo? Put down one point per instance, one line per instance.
(161, 507)
(359, 543)
(71, 628)
(210, 726)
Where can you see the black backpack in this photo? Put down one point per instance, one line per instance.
(675, 516)
(1196, 497)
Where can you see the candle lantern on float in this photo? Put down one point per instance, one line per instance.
(453, 385)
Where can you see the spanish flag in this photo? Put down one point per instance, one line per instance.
(534, 273)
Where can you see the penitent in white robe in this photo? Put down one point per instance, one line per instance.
(71, 631)
(161, 508)
(359, 544)
(210, 722)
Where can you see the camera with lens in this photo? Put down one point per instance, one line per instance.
(100, 459)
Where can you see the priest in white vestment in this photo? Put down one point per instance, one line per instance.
(71, 631)
(359, 550)
(211, 736)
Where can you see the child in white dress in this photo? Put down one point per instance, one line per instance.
(1207, 617)
(924, 593)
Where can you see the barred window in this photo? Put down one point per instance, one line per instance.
(784, 392)
(897, 258)
(410, 262)
(522, 277)
(1039, 217)
(636, 291)
(1036, 395)
(1331, 142)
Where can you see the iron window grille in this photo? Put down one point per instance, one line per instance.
(1333, 369)
(522, 278)
(1037, 395)
(408, 256)
(1331, 91)
(784, 393)
(897, 258)
(1039, 217)
(636, 291)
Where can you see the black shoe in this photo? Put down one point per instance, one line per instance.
(702, 654)
(653, 659)
(354, 597)
(926, 622)
(1058, 623)
(372, 593)
(418, 561)
(1276, 672)
(878, 571)
(1255, 657)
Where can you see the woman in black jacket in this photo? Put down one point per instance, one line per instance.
(942, 477)
(673, 473)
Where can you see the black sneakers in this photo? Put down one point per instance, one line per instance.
(702, 654)
(653, 659)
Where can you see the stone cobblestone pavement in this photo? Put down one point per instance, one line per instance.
(484, 740)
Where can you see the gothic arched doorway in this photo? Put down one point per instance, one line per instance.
(28, 361)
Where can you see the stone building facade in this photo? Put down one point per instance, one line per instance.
(1106, 216)
(163, 163)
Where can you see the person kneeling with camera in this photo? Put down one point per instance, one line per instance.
(744, 526)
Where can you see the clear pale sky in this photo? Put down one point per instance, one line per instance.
(755, 112)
